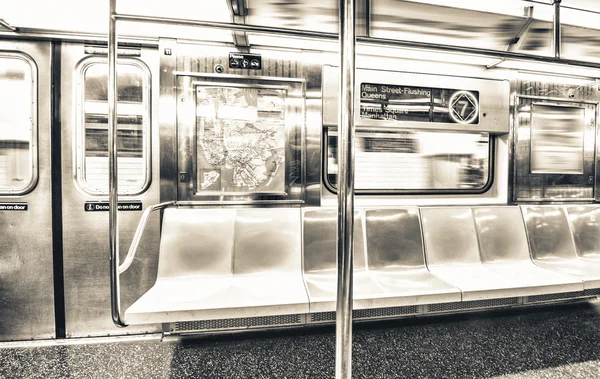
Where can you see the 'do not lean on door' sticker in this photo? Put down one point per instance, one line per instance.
(463, 107)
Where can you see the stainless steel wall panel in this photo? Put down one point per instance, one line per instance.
(194, 60)
(86, 264)
(560, 95)
(26, 276)
(167, 120)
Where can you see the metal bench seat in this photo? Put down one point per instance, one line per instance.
(389, 267)
(565, 245)
(484, 253)
(225, 263)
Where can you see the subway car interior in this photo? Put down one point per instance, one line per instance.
(177, 178)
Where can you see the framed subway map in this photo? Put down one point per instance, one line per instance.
(241, 139)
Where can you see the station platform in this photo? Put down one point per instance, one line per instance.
(538, 342)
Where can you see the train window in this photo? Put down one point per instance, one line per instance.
(18, 123)
(415, 162)
(133, 127)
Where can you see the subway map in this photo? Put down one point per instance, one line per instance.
(241, 139)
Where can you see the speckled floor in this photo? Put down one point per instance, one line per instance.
(548, 342)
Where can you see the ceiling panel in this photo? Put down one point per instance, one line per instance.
(92, 16)
(315, 15)
(406, 20)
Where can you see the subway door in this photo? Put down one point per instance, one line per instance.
(26, 263)
(84, 110)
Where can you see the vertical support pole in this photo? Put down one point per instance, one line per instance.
(556, 35)
(113, 200)
(345, 231)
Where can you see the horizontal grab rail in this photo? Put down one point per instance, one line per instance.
(139, 232)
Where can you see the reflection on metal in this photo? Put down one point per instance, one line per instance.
(138, 234)
(7, 26)
(519, 38)
(224, 263)
(553, 247)
(389, 264)
(401, 100)
(372, 41)
(345, 230)
(566, 175)
(238, 14)
(585, 226)
(414, 160)
(113, 172)
(265, 113)
(556, 35)
(18, 124)
(468, 249)
(557, 139)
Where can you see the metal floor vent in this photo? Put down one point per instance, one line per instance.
(474, 304)
(361, 314)
(592, 292)
(553, 296)
(385, 312)
(237, 323)
(322, 317)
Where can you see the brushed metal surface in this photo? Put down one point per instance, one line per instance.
(549, 234)
(543, 92)
(394, 278)
(504, 249)
(585, 225)
(493, 98)
(201, 277)
(302, 69)
(396, 260)
(501, 234)
(552, 244)
(196, 242)
(319, 261)
(85, 241)
(26, 277)
(267, 241)
(450, 237)
(452, 251)
(167, 119)
(394, 239)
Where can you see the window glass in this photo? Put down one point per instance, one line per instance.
(132, 128)
(17, 125)
(415, 161)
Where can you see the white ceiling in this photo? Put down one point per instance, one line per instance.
(91, 16)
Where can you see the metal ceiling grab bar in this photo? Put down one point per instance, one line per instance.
(113, 196)
(556, 35)
(345, 230)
